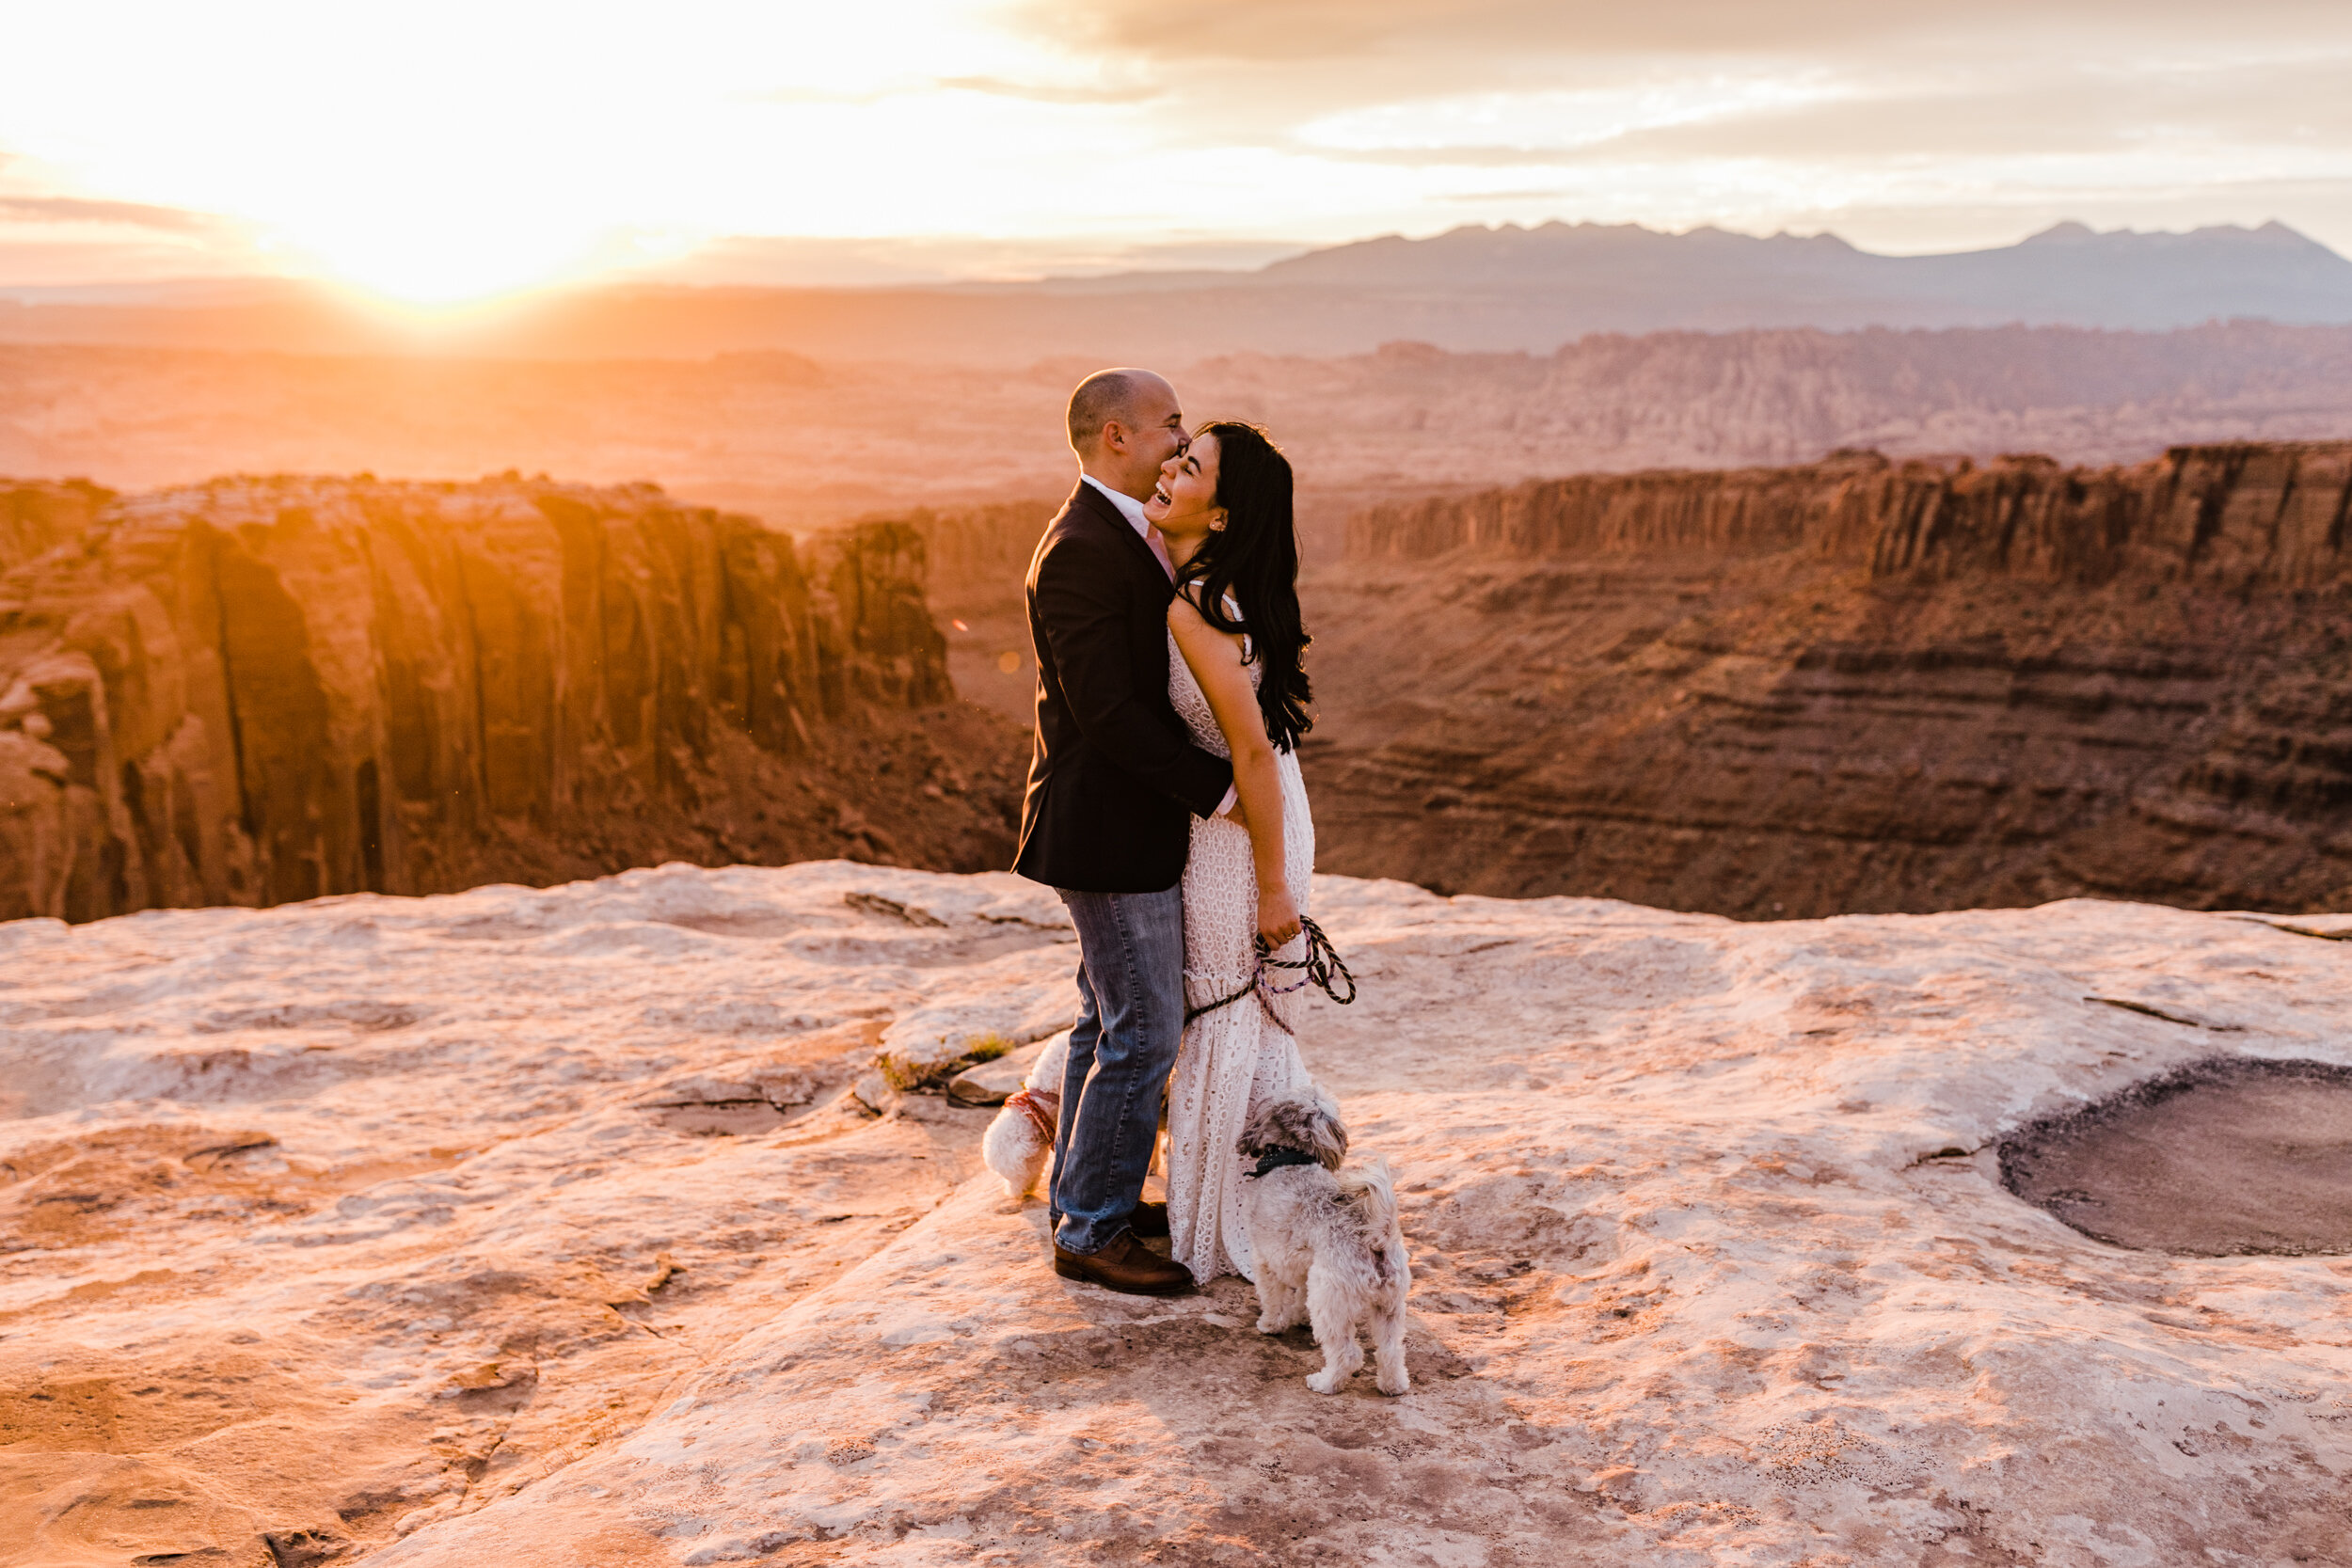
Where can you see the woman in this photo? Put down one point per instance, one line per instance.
(1223, 509)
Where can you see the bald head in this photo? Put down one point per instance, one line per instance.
(1105, 396)
(1124, 424)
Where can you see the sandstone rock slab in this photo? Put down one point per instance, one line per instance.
(371, 1241)
(993, 1082)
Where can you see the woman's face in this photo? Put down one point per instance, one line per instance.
(1185, 505)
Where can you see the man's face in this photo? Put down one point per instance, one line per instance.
(1157, 432)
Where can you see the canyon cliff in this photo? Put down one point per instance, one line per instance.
(259, 690)
(35, 517)
(1852, 686)
(979, 558)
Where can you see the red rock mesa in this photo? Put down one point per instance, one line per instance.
(1853, 686)
(258, 690)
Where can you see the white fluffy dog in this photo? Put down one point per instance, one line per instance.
(1326, 1241)
(1019, 1144)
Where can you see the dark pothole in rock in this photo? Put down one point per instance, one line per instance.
(2220, 1158)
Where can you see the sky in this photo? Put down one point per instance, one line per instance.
(436, 151)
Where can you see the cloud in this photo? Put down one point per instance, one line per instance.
(2144, 112)
(1444, 156)
(1041, 92)
(1323, 30)
(1514, 198)
(131, 214)
(2014, 116)
(70, 268)
(64, 241)
(1320, 30)
(1272, 73)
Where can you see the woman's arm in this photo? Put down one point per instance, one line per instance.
(1215, 659)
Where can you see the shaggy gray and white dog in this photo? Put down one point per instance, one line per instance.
(1326, 1239)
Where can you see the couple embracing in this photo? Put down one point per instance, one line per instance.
(1165, 805)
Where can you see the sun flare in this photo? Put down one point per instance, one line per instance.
(438, 268)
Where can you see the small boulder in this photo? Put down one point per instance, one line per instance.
(927, 1049)
(992, 1083)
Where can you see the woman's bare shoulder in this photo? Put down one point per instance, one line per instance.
(1196, 636)
(1183, 612)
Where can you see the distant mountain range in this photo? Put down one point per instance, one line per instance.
(1472, 289)
(1626, 277)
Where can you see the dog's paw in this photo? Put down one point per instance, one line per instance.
(1271, 1325)
(1326, 1383)
(1398, 1385)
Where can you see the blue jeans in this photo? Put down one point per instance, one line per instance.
(1131, 1020)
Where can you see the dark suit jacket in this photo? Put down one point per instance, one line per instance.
(1115, 780)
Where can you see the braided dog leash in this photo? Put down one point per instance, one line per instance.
(1322, 966)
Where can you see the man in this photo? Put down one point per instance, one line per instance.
(1115, 782)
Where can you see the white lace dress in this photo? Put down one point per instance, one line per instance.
(1235, 1056)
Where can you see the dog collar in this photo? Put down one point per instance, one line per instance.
(1275, 1159)
(1044, 1109)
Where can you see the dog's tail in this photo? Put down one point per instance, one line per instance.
(1020, 1141)
(1046, 1071)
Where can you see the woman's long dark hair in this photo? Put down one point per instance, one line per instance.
(1255, 558)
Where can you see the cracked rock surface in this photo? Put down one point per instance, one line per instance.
(532, 1227)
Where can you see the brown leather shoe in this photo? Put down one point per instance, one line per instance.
(1126, 1265)
(1149, 1220)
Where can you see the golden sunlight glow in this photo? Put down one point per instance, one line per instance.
(436, 268)
(441, 151)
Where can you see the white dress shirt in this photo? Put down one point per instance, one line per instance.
(1131, 510)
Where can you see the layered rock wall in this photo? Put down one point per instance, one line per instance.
(2270, 517)
(37, 516)
(979, 559)
(979, 554)
(260, 691)
(1824, 507)
(1853, 686)
(2274, 515)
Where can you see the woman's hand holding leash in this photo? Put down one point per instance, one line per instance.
(1277, 918)
(1325, 971)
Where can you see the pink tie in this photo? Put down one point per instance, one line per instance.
(1159, 552)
